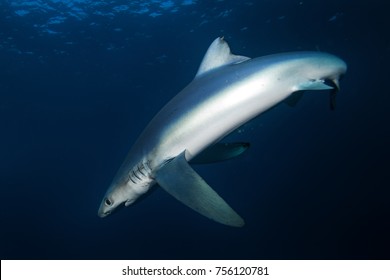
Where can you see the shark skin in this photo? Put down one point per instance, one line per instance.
(227, 91)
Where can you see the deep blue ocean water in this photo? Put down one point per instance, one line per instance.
(79, 80)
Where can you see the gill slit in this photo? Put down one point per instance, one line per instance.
(141, 172)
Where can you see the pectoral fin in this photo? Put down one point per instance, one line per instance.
(179, 179)
(220, 152)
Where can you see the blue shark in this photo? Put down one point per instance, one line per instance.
(227, 91)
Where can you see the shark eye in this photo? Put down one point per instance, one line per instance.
(108, 202)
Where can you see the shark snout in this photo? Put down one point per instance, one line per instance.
(108, 207)
(102, 213)
(104, 209)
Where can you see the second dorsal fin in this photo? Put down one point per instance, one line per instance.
(217, 55)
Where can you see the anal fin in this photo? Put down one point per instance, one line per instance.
(294, 98)
(181, 181)
(220, 152)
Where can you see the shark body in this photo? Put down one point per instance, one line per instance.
(228, 91)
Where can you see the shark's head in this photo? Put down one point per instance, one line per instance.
(122, 193)
(113, 198)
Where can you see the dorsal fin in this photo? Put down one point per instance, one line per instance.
(217, 55)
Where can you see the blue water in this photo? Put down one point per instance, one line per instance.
(79, 80)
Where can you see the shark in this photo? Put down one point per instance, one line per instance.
(228, 91)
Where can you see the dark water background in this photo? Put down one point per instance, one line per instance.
(79, 80)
